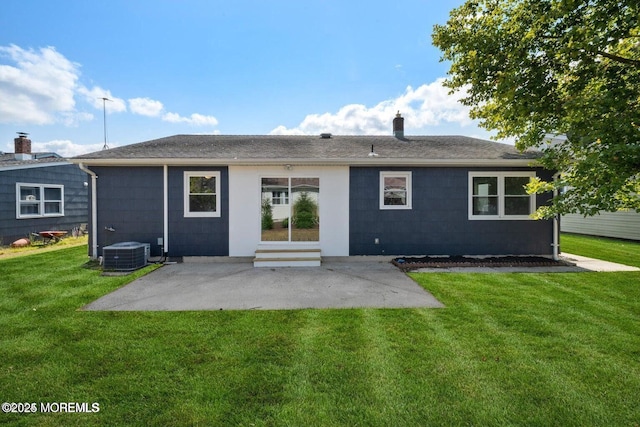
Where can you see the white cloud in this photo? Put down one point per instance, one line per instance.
(153, 108)
(146, 107)
(94, 97)
(67, 148)
(428, 105)
(195, 119)
(39, 85)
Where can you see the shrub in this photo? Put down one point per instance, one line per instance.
(267, 215)
(304, 220)
(304, 211)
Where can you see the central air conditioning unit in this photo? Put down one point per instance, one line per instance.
(125, 256)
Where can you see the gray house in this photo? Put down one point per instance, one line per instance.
(39, 192)
(623, 224)
(204, 195)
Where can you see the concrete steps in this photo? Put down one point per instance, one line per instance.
(274, 256)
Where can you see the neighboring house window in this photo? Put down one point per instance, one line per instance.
(500, 195)
(280, 198)
(395, 190)
(39, 200)
(201, 194)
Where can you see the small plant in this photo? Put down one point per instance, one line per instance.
(267, 215)
(285, 223)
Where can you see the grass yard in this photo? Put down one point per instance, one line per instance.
(9, 252)
(509, 349)
(614, 250)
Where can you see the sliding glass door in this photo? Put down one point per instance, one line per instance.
(290, 209)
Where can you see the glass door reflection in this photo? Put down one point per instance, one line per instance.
(305, 224)
(290, 210)
(275, 210)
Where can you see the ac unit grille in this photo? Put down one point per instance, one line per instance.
(126, 256)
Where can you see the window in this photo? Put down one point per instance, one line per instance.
(516, 199)
(395, 190)
(280, 198)
(201, 194)
(39, 200)
(500, 195)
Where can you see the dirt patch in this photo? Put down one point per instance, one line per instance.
(412, 263)
(280, 234)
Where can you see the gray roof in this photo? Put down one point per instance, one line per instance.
(8, 160)
(236, 149)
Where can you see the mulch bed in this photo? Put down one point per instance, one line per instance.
(412, 263)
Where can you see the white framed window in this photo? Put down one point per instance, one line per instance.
(500, 195)
(280, 197)
(395, 190)
(39, 200)
(201, 194)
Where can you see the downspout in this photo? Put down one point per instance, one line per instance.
(165, 208)
(556, 244)
(556, 237)
(94, 210)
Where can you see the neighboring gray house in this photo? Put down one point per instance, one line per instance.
(621, 224)
(39, 192)
(200, 195)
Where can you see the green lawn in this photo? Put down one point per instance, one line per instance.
(509, 349)
(614, 250)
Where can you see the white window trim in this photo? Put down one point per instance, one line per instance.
(501, 196)
(395, 174)
(187, 177)
(42, 201)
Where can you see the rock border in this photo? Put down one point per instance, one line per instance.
(413, 263)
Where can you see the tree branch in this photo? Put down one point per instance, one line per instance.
(628, 61)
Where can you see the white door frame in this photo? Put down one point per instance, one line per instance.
(245, 198)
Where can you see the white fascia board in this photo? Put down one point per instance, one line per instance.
(312, 162)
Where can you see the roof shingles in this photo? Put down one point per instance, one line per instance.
(8, 160)
(273, 147)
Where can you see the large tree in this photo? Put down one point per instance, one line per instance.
(534, 68)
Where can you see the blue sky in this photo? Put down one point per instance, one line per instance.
(224, 67)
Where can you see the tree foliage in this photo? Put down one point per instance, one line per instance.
(533, 68)
(304, 211)
(267, 214)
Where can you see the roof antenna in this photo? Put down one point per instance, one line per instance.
(104, 120)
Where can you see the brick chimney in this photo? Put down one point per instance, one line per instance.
(398, 126)
(22, 146)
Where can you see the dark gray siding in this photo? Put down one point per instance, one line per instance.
(129, 202)
(197, 236)
(438, 223)
(76, 198)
